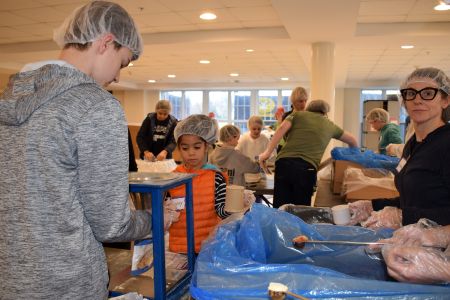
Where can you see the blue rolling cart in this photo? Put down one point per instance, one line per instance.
(157, 189)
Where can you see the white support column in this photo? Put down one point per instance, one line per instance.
(322, 80)
(322, 74)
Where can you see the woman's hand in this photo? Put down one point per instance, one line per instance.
(149, 156)
(388, 217)
(416, 264)
(262, 159)
(162, 155)
(360, 211)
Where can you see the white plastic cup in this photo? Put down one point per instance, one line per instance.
(341, 214)
(234, 200)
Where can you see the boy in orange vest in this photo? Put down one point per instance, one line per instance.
(194, 135)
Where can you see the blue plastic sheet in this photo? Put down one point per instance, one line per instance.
(368, 158)
(244, 256)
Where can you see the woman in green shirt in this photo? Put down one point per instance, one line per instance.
(308, 134)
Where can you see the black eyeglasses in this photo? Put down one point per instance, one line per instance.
(427, 93)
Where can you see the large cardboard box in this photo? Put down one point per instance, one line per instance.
(369, 193)
(367, 184)
(337, 176)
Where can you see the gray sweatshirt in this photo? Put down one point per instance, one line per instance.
(63, 185)
(235, 162)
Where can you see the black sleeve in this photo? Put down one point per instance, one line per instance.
(219, 195)
(144, 136)
(379, 204)
(132, 167)
(171, 143)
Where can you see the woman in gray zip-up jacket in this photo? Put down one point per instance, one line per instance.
(64, 165)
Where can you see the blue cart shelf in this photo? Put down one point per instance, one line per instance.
(157, 189)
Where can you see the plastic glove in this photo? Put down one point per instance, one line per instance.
(395, 149)
(360, 211)
(249, 198)
(418, 235)
(171, 214)
(416, 264)
(388, 217)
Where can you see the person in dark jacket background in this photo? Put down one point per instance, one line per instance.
(155, 137)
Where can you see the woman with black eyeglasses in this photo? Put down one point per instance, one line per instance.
(423, 174)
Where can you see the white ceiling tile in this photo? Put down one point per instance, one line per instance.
(254, 13)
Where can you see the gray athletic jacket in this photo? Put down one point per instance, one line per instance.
(63, 185)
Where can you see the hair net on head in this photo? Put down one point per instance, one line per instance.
(378, 114)
(95, 19)
(437, 75)
(199, 125)
(318, 106)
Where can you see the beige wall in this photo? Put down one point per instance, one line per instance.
(137, 104)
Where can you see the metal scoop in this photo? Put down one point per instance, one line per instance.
(301, 244)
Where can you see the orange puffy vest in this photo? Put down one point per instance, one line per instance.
(205, 217)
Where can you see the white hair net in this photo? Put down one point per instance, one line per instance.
(95, 19)
(199, 125)
(434, 74)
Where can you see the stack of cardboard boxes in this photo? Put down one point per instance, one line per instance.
(358, 184)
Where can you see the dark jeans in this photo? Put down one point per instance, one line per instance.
(295, 181)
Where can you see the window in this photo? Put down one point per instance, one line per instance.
(218, 104)
(267, 105)
(241, 104)
(371, 95)
(285, 101)
(193, 103)
(229, 107)
(174, 98)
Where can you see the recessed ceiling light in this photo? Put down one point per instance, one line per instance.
(407, 46)
(234, 74)
(443, 5)
(130, 64)
(152, 80)
(204, 61)
(284, 78)
(171, 76)
(249, 50)
(208, 16)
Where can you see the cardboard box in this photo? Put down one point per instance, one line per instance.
(339, 167)
(367, 184)
(370, 192)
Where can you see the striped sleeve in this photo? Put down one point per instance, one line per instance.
(219, 195)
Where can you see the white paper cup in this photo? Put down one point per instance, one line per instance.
(234, 200)
(341, 214)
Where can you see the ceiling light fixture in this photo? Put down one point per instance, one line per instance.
(249, 50)
(204, 61)
(234, 74)
(151, 80)
(171, 76)
(284, 78)
(208, 16)
(407, 46)
(443, 5)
